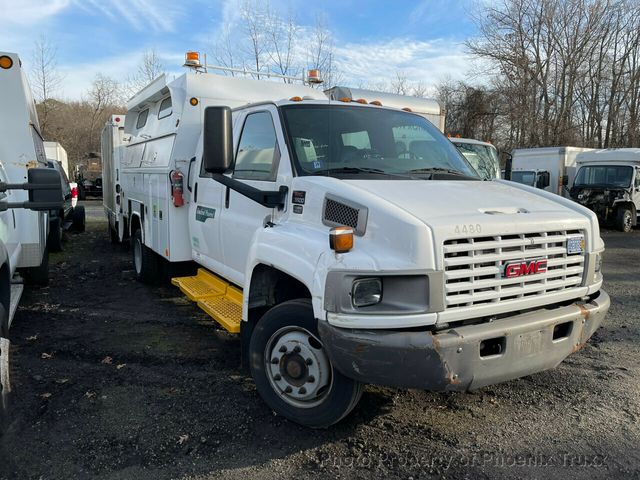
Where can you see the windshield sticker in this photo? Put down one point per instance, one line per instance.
(202, 213)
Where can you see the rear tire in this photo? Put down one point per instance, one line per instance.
(145, 262)
(624, 220)
(38, 275)
(79, 219)
(292, 371)
(54, 241)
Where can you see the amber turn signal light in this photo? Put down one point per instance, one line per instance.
(341, 239)
(6, 62)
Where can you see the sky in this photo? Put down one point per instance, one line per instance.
(374, 39)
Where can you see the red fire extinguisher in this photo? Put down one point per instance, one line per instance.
(177, 188)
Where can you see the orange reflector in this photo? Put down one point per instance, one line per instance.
(345, 99)
(458, 135)
(377, 103)
(193, 101)
(407, 109)
(341, 239)
(296, 99)
(362, 101)
(449, 135)
(6, 62)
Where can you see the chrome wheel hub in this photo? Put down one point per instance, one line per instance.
(297, 367)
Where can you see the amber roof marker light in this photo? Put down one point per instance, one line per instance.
(6, 62)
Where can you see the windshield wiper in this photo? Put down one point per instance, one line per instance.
(375, 171)
(438, 170)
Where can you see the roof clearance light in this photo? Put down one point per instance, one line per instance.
(407, 109)
(295, 99)
(193, 101)
(362, 101)
(345, 99)
(313, 76)
(192, 59)
(6, 62)
(341, 239)
(377, 103)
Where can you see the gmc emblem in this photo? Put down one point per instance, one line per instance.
(526, 267)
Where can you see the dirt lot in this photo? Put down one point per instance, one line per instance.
(113, 379)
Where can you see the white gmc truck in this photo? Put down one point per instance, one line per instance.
(351, 243)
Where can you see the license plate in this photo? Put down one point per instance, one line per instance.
(529, 343)
(575, 245)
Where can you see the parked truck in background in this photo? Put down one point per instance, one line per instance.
(549, 168)
(482, 156)
(342, 259)
(608, 182)
(112, 143)
(56, 153)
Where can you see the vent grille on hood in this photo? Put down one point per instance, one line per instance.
(338, 213)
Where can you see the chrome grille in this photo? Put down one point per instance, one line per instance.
(474, 267)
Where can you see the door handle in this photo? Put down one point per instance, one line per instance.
(195, 193)
(226, 197)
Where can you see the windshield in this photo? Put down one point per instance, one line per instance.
(524, 177)
(483, 158)
(335, 140)
(615, 176)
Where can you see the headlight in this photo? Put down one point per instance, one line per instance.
(366, 292)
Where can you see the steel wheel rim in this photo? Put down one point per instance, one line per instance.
(297, 367)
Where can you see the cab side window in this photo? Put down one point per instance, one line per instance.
(258, 153)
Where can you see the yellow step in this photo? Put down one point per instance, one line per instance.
(225, 309)
(215, 296)
(202, 285)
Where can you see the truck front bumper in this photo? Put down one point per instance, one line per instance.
(466, 357)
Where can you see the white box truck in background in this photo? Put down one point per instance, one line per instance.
(608, 182)
(56, 153)
(549, 168)
(341, 259)
(28, 190)
(112, 143)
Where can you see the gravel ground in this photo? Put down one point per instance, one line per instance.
(112, 379)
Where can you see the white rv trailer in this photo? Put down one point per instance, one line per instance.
(549, 168)
(483, 156)
(339, 259)
(608, 182)
(112, 144)
(425, 107)
(56, 153)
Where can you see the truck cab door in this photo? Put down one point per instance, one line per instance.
(204, 219)
(262, 161)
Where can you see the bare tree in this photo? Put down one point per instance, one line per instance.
(149, 69)
(45, 79)
(320, 52)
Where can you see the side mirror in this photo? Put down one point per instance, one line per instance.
(45, 189)
(217, 153)
(543, 180)
(508, 165)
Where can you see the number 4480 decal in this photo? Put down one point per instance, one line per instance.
(470, 228)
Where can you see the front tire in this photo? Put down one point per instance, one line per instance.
(145, 261)
(624, 220)
(292, 371)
